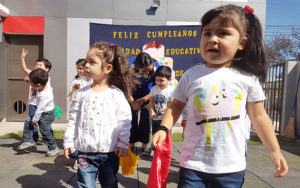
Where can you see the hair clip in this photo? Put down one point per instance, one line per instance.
(112, 45)
(248, 9)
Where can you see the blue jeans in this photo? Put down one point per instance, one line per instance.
(194, 179)
(90, 164)
(32, 109)
(155, 125)
(45, 125)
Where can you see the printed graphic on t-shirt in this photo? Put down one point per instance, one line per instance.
(216, 111)
(160, 103)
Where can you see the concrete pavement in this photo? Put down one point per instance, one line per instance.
(30, 168)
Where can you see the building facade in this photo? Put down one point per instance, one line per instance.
(59, 31)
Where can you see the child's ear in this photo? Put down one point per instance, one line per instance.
(169, 79)
(243, 43)
(108, 68)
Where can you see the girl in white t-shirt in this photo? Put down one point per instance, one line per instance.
(100, 116)
(80, 79)
(218, 94)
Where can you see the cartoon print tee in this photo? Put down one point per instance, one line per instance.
(214, 140)
(162, 97)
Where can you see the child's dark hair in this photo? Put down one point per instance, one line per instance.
(163, 71)
(252, 58)
(38, 76)
(121, 76)
(46, 62)
(82, 62)
(143, 59)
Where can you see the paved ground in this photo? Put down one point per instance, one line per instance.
(30, 168)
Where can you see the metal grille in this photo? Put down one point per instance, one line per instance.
(273, 89)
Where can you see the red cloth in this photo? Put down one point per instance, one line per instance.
(160, 165)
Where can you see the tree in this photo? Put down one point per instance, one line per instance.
(283, 47)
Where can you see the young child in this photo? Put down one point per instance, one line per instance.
(218, 94)
(44, 114)
(44, 64)
(100, 117)
(160, 97)
(144, 75)
(80, 79)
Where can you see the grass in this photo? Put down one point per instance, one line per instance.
(176, 137)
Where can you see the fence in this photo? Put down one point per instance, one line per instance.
(273, 89)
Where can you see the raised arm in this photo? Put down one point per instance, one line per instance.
(264, 128)
(23, 63)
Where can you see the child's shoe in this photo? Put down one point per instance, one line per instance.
(148, 151)
(54, 152)
(26, 145)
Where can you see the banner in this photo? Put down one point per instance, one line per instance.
(182, 43)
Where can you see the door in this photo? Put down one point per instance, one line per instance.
(17, 90)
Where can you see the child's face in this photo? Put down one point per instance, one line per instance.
(219, 44)
(146, 70)
(80, 69)
(95, 68)
(41, 65)
(162, 82)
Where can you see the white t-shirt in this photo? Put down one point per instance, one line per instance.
(44, 103)
(162, 97)
(214, 139)
(32, 93)
(98, 120)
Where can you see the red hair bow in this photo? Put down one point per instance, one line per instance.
(153, 44)
(248, 9)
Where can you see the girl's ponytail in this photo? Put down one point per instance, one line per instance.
(252, 57)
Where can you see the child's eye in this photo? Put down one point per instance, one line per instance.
(223, 33)
(206, 33)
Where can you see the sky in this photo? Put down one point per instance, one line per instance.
(281, 16)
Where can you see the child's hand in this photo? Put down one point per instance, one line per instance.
(24, 53)
(153, 115)
(121, 151)
(280, 164)
(34, 123)
(76, 86)
(158, 138)
(68, 151)
(26, 79)
(135, 106)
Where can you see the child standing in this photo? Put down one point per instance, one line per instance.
(100, 117)
(160, 97)
(218, 94)
(44, 64)
(144, 75)
(80, 79)
(44, 114)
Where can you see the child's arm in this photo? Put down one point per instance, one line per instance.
(264, 128)
(69, 137)
(152, 108)
(23, 63)
(169, 119)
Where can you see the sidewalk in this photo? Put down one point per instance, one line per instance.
(30, 168)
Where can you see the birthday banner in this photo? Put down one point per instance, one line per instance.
(181, 43)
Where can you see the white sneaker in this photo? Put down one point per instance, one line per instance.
(148, 151)
(54, 152)
(26, 145)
